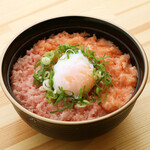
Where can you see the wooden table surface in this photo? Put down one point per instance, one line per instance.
(134, 15)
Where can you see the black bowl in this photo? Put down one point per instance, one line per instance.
(80, 129)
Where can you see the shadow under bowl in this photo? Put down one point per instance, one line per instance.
(78, 130)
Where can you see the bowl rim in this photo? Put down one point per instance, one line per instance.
(48, 120)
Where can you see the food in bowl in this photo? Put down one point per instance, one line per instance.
(73, 77)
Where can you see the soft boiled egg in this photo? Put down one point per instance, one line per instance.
(73, 73)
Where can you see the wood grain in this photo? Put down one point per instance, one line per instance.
(133, 15)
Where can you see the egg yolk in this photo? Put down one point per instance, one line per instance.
(73, 73)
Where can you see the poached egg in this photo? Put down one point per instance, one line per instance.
(73, 73)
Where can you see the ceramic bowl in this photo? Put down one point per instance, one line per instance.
(78, 130)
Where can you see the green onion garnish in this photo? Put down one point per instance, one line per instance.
(44, 77)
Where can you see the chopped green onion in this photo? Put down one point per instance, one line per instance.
(45, 60)
(98, 74)
(38, 63)
(86, 101)
(50, 54)
(46, 75)
(80, 94)
(83, 103)
(43, 78)
(46, 84)
(80, 105)
(41, 88)
(97, 90)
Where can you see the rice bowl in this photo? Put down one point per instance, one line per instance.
(70, 130)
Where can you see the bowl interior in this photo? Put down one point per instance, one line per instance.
(72, 24)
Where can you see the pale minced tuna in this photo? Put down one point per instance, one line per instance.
(124, 75)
